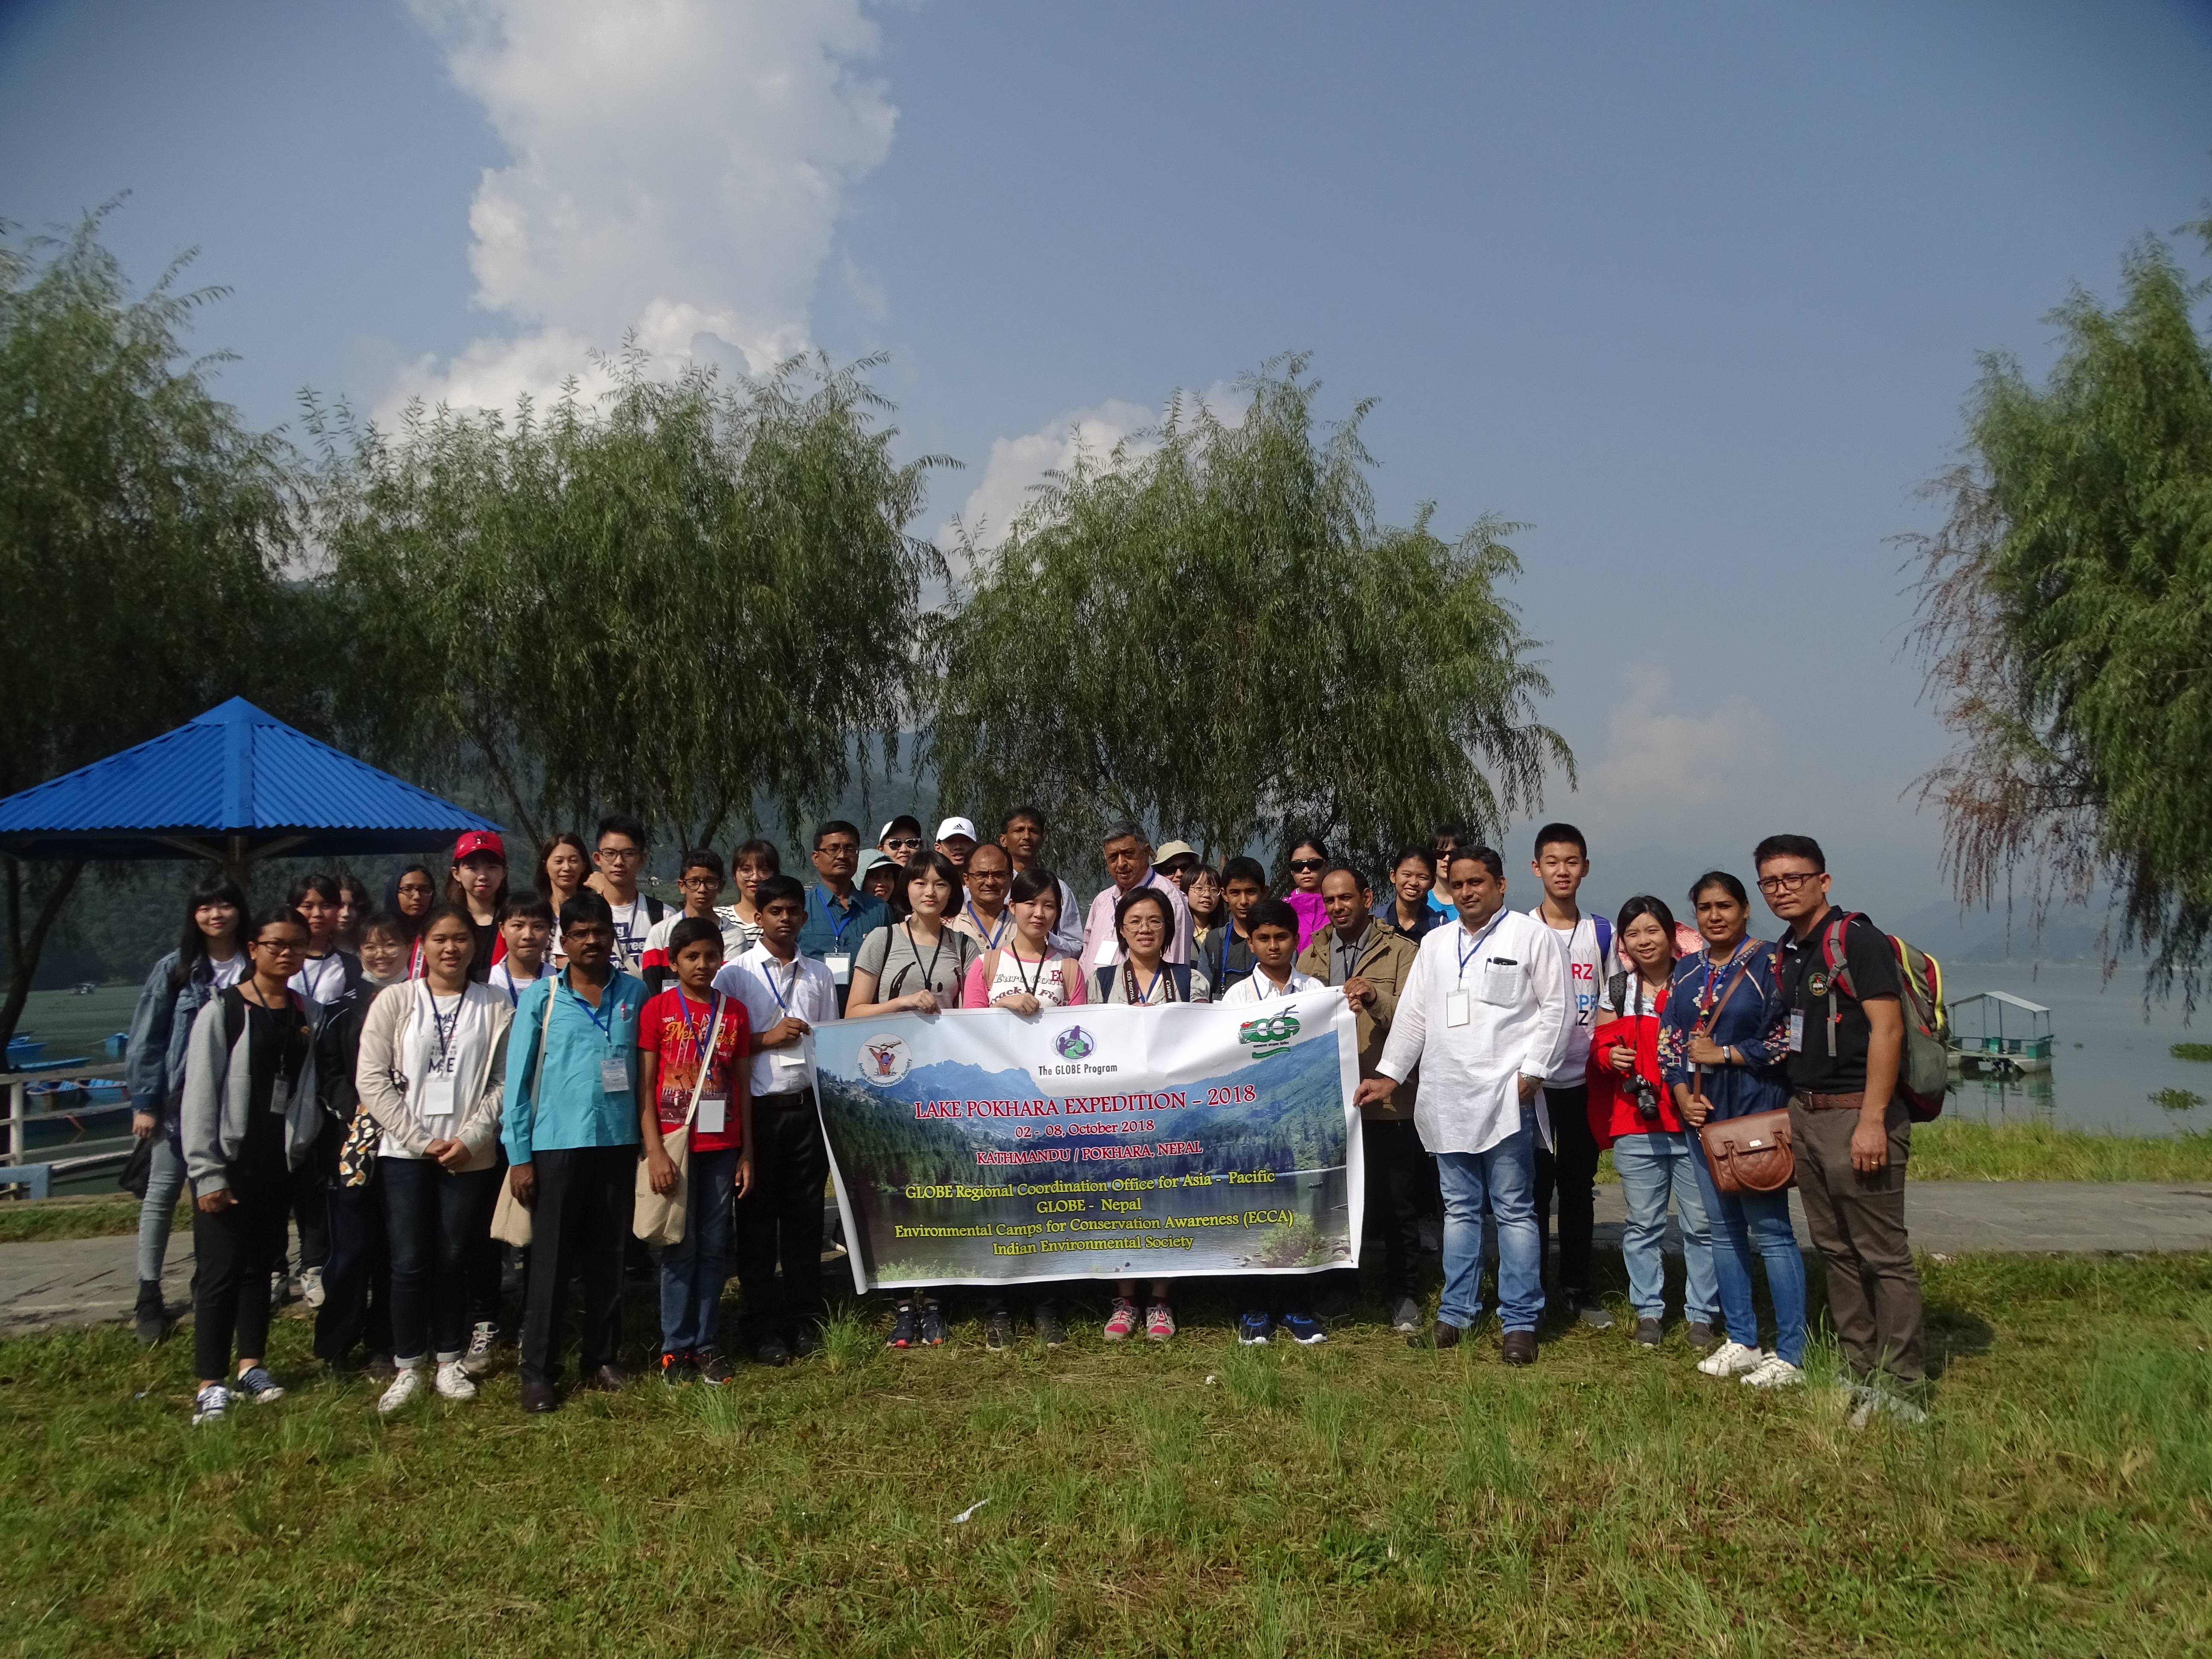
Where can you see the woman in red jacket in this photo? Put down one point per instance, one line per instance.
(1633, 1112)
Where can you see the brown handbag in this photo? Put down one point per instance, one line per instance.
(1750, 1153)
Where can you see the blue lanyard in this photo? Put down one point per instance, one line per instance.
(1468, 952)
(836, 928)
(990, 943)
(602, 1017)
(768, 980)
(692, 1033)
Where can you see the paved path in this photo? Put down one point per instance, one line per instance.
(88, 1281)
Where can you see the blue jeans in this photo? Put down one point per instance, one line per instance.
(1504, 1177)
(694, 1269)
(1741, 1223)
(164, 1179)
(431, 1217)
(1652, 1165)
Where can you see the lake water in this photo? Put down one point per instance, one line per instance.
(72, 1027)
(2108, 1060)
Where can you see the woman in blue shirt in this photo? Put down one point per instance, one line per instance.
(1723, 1039)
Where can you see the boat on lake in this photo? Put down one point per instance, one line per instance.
(2020, 1042)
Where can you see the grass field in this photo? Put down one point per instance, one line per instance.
(1199, 1498)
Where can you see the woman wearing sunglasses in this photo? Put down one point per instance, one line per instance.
(1309, 859)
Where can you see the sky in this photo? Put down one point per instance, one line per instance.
(1697, 293)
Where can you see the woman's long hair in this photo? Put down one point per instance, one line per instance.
(191, 943)
(561, 838)
(410, 927)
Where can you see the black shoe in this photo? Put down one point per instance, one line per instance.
(804, 1343)
(998, 1330)
(770, 1351)
(1519, 1348)
(677, 1368)
(1441, 1335)
(540, 1395)
(904, 1330)
(932, 1326)
(150, 1320)
(608, 1379)
(713, 1370)
(1648, 1333)
(1049, 1330)
(1699, 1335)
(380, 1367)
(1584, 1307)
(1335, 1303)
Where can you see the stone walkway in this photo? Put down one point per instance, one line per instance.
(90, 1281)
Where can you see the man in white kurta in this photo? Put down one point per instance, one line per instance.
(1486, 1015)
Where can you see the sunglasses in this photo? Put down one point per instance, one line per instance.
(1303, 865)
(904, 843)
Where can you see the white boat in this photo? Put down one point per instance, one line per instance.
(2022, 1044)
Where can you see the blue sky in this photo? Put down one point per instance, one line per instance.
(1695, 292)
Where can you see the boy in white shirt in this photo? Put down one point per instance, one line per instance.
(526, 928)
(1273, 931)
(1484, 1014)
(1568, 1163)
(785, 996)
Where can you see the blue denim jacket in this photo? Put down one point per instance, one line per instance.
(161, 1027)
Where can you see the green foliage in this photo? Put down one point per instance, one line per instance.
(1215, 636)
(2067, 620)
(2191, 1051)
(2177, 1100)
(143, 532)
(691, 597)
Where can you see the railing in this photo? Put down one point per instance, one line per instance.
(20, 1117)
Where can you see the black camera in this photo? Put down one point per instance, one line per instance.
(1645, 1093)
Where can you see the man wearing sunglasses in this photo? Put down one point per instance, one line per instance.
(1850, 1134)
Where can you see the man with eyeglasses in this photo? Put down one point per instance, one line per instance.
(1129, 860)
(901, 839)
(839, 915)
(701, 880)
(618, 854)
(1851, 1134)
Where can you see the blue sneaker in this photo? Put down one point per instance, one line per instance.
(1304, 1328)
(1253, 1329)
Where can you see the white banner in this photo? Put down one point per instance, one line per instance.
(981, 1146)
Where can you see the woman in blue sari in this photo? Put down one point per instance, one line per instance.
(1723, 1041)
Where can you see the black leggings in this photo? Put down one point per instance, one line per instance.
(1571, 1172)
(234, 1251)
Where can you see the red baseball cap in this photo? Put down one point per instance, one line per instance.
(480, 841)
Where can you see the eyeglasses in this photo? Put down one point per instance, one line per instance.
(1302, 866)
(281, 947)
(622, 854)
(977, 876)
(838, 849)
(1789, 883)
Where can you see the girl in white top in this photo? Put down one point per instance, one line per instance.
(1026, 973)
(432, 1071)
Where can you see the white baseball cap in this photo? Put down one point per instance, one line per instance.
(952, 827)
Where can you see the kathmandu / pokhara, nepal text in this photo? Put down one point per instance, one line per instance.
(989, 1148)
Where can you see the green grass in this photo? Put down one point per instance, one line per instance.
(102, 1217)
(2191, 1051)
(1199, 1498)
(1954, 1150)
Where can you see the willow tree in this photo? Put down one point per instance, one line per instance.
(680, 600)
(2066, 622)
(142, 532)
(1210, 632)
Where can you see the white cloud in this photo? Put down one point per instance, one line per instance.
(677, 168)
(1665, 767)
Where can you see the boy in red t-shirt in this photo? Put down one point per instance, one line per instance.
(672, 1037)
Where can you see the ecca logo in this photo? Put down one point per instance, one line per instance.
(1274, 1028)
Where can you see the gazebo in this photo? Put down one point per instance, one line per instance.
(233, 786)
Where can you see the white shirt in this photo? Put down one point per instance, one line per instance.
(633, 922)
(770, 988)
(1102, 945)
(502, 980)
(1586, 976)
(321, 979)
(738, 938)
(1257, 987)
(1514, 972)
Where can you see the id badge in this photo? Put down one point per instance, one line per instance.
(1796, 1030)
(713, 1112)
(614, 1076)
(789, 1067)
(1108, 948)
(840, 969)
(440, 1090)
(1459, 1008)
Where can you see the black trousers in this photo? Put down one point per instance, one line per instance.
(780, 1220)
(234, 1251)
(1399, 1170)
(1572, 1172)
(309, 1182)
(357, 1275)
(486, 1254)
(577, 1225)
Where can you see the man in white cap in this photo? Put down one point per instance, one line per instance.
(955, 839)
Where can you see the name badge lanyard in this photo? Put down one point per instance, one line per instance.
(693, 1038)
(768, 980)
(437, 1085)
(614, 1074)
(836, 928)
(928, 974)
(782, 1063)
(627, 936)
(1129, 974)
(1023, 978)
(998, 932)
(1468, 952)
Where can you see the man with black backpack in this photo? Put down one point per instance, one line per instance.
(1837, 973)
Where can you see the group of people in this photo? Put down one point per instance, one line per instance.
(461, 1082)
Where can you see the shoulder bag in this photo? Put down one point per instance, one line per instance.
(659, 1218)
(510, 1217)
(1751, 1153)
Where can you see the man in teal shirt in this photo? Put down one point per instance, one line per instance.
(570, 1128)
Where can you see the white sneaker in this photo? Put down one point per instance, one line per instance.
(454, 1382)
(311, 1286)
(477, 1361)
(1879, 1402)
(1731, 1358)
(210, 1404)
(405, 1387)
(1773, 1372)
